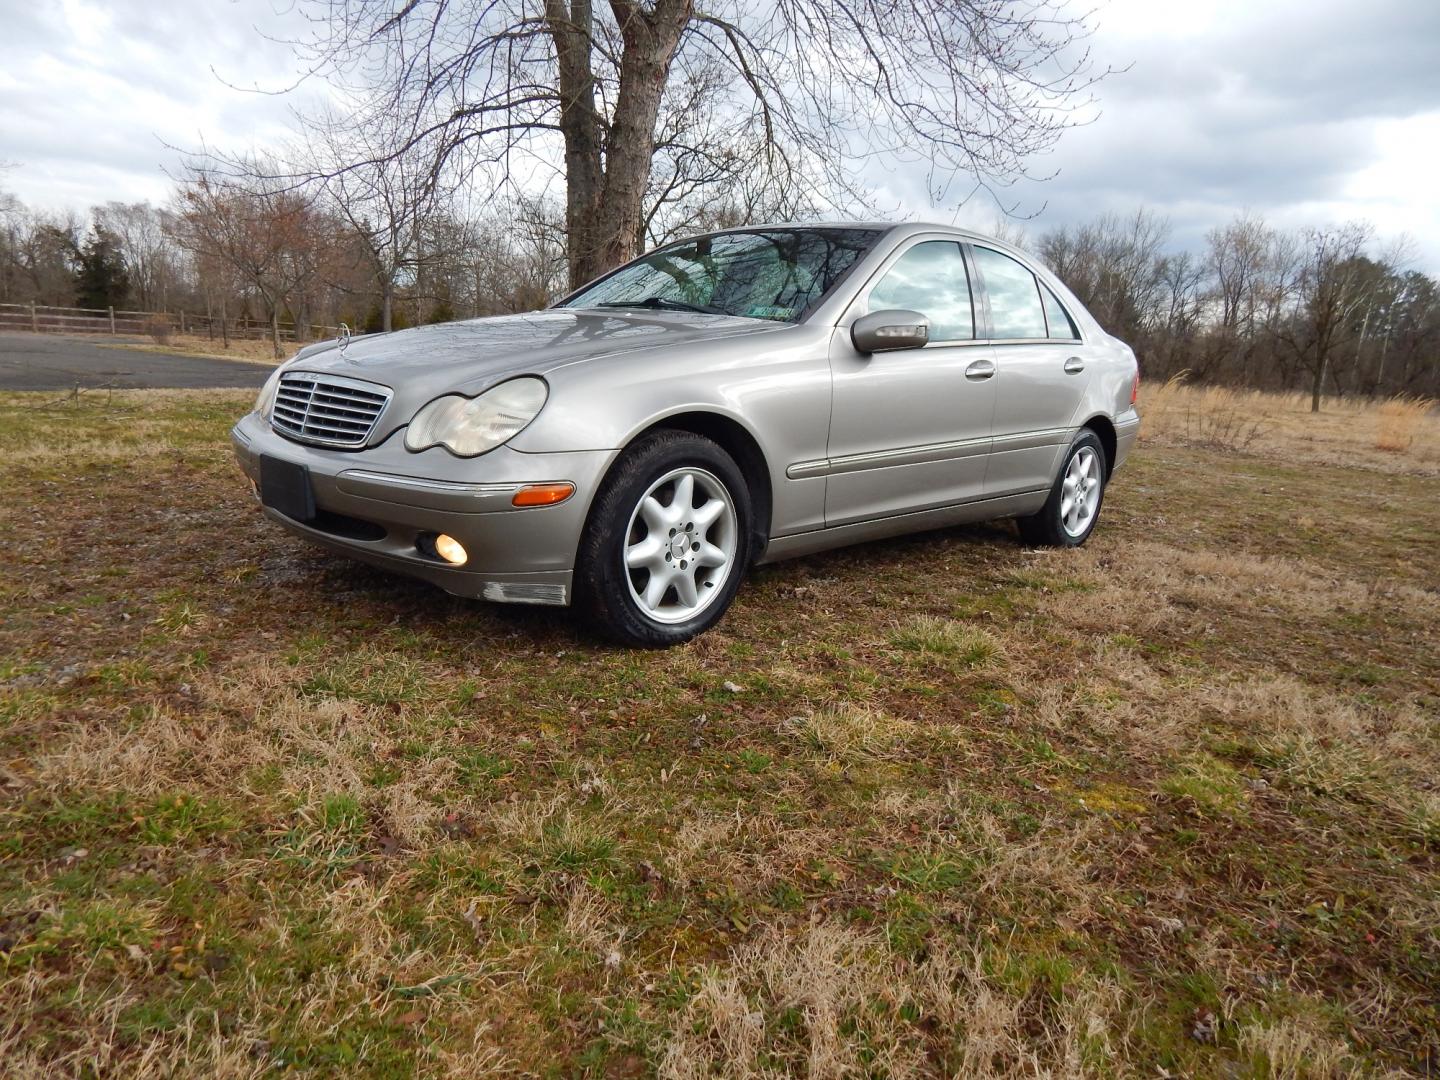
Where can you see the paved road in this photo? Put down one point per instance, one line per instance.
(56, 362)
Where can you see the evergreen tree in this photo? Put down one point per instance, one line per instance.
(101, 279)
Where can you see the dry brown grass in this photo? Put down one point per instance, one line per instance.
(250, 350)
(1399, 420)
(1162, 805)
(847, 991)
(1398, 435)
(853, 732)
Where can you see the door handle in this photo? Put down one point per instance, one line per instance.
(1074, 365)
(980, 369)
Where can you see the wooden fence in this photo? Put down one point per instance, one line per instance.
(41, 319)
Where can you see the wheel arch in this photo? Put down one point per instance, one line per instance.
(1105, 431)
(736, 440)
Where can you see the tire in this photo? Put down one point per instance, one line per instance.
(674, 508)
(1063, 522)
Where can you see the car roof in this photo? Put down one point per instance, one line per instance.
(908, 227)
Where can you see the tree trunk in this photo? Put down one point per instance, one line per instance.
(1322, 361)
(1380, 373)
(275, 329)
(580, 126)
(606, 171)
(387, 305)
(650, 40)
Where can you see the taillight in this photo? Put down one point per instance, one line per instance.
(1135, 388)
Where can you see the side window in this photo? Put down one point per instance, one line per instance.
(1061, 325)
(930, 278)
(1014, 296)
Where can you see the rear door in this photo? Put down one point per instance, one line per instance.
(1042, 370)
(910, 429)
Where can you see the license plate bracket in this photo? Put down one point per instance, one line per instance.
(285, 487)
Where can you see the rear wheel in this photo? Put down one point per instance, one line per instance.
(1069, 515)
(667, 542)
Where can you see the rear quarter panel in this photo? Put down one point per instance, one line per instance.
(1111, 364)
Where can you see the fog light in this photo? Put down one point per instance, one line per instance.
(450, 549)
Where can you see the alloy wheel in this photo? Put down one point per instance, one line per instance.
(1080, 491)
(680, 545)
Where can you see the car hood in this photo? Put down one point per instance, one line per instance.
(469, 357)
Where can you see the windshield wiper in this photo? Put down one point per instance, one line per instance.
(666, 303)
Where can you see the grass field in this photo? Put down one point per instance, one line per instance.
(254, 350)
(1164, 806)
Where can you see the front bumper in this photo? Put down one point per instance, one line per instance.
(377, 505)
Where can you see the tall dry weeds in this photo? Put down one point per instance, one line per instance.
(1398, 420)
(1348, 431)
(1215, 417)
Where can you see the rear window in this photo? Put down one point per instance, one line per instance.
(1062, 327)
(1014, 295)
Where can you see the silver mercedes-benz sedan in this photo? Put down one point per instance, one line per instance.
(737, 398)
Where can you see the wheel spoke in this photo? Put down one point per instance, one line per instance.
(652, 513)
(685, 589)
(705, 516)
(1066, 505)
(710, 555)
(648, 552)
(656, 588)
(683, 501)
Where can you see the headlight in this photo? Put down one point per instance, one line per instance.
(266, 401)
(470, 426)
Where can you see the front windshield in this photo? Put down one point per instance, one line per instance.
(765, 274)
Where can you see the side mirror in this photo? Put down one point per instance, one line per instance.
(886, 331)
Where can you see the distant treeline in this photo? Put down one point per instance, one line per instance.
(281, 257)
(1325, 310)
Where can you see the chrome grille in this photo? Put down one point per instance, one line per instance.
(327, 409)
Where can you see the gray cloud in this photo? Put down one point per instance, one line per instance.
(1273, 108)
(1276, 107)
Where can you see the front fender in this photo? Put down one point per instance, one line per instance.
(779, 393)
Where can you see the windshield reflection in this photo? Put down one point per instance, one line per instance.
(776, 274)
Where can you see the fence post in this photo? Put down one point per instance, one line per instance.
(112, 320)
(182, 320)
(34, 319)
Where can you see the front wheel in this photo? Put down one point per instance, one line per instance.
(667, 541)
(1070, 513)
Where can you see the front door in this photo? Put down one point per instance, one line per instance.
(1041, 374)
(910, 429)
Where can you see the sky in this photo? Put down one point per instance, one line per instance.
(1305, 112)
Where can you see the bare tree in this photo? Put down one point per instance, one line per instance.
(43, 254)
(269, 238)
(1238, 254)
(1114, 265)
(972, 88)
(387, 199)
(141, 233)
(1331, 272)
